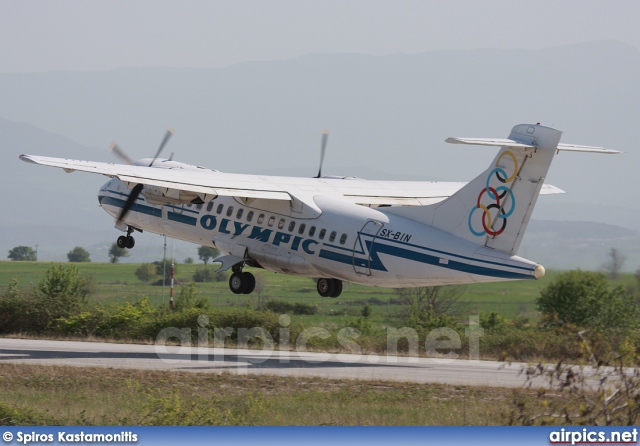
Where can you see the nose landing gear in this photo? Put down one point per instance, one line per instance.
(127, 241)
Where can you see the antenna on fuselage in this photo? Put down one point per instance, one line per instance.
(323, 148)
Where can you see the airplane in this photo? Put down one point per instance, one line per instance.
(341, 229)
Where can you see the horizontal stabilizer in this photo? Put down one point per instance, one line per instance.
(511, 143)
(576, 148)
(493, 142)
(548, 189)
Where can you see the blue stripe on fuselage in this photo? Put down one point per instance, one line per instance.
(143, 209)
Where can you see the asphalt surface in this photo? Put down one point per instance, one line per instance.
(256, 362)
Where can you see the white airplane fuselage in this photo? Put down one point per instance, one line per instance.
(341, 240)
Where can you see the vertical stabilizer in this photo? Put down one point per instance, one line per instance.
(494, 209)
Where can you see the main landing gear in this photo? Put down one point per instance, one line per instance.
(241, 283)
(329, 287)
(127, 241)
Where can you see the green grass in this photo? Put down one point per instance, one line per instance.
(117, 283)
(69, 396)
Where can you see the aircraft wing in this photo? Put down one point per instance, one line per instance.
(197, 180)
(209, 183)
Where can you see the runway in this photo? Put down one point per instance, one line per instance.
(256, 362)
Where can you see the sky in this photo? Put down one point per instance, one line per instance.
(79, 35)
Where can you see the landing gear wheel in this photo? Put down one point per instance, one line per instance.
(325, 287)
(236, 284)
(131, 242)
(122, 242)
(337, 288)
(249, 282)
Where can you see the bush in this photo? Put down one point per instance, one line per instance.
(62, 291)
(204, 275)
(187, 299)
(492, 321)
(160, 267)
(146, 272)
(281, 307)
(584, 299)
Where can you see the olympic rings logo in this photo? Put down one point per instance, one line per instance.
(495, 199)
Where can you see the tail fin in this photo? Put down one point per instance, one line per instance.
(494, 209)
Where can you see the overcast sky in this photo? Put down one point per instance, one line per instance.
(80, 35)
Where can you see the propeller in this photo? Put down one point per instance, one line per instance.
(323, 148)
(137, 189)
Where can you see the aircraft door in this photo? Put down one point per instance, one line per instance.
(361, 252)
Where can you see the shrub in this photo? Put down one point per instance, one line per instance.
(187, 299)
(204, 275)
(146, 272)
(584, 299)
(281, 307)
(62, 291)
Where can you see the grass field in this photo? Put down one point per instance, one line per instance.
(94, 396)
(117, 283)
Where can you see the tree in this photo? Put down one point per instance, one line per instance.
(207, 252)
(78, 254)
(115, 253)
(584, 299)
(23, 253)
(614, 265)
(146, 272)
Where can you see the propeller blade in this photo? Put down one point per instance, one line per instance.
(323, 148)
(162, 144)
(116, 150)
(135, 192)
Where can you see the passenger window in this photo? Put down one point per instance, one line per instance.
(332, 237)
(322, 233)
(220, 207)
(292, 226)
(260, 219)
(312, 230)
(250, 216)
(199, 206)
(281, 223)
(272, 219)
(343, 239)
(301, 228)
(229, 211)
(210, 206)
(239, 214)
